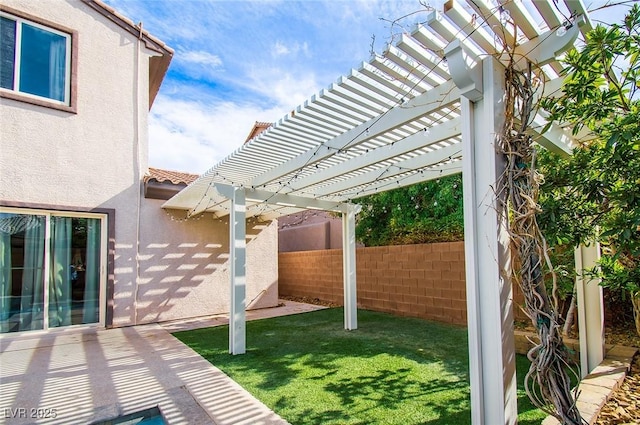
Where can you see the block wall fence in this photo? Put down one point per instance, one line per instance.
(422, 280)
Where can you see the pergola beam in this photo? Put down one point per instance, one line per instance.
(547, 46)
(397, 116)
(417, 165)
(454, 167)
(555, 139)
(445, 131)
(282, 199)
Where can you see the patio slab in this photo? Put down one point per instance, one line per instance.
(85, 376)
(284, 308)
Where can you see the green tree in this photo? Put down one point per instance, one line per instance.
(421, 213)
(595, 194)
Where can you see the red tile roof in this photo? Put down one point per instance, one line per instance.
(175, 177)
(258, 128)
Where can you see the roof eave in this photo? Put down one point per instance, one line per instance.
(158, 65)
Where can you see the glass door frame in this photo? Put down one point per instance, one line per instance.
(103, 269)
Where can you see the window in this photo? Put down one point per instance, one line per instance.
(35, 59)
(51, 270)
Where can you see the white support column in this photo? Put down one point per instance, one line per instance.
(237, 267)
(349, 265)
(590, 309)
(489, 293)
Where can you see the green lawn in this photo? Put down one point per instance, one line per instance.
(392, 370)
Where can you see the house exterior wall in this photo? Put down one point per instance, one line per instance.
(184, 272)
(96, 157)
(308, 231)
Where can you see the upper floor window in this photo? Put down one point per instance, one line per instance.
(35, 60)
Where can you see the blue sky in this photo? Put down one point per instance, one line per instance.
(237, 62)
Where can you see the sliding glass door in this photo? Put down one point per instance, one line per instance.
(22, 271)
(50, 270)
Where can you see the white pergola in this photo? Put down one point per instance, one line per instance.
(429, 106)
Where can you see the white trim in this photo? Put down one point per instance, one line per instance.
(104, 262)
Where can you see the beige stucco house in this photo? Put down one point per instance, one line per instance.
(83, 238)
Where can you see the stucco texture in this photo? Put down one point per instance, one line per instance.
(96, 158)
(184, 265)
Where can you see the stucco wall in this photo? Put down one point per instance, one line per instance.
(96, 158)
(184, 270)
(308, 231)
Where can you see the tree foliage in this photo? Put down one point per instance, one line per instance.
(422, 213)
(595, 194)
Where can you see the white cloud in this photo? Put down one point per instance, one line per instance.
(279, 49)
(304, 47)
(288, 90)
(198, 64)
(192, 136)
(201, 57)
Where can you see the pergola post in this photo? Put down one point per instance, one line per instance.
(590, 309)
(349, 266)
(237, 266)
(489, 293)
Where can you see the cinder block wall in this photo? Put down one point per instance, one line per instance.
(426, 281)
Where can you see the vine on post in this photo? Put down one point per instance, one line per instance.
(548, 381)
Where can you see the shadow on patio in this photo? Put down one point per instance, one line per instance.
(80, 377)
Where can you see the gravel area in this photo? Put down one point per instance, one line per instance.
(624, 406)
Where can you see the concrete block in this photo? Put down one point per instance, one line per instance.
(609, 366)
(591, 394)
(607, 380)
(587, 388)
(588, 411)
(622, 353)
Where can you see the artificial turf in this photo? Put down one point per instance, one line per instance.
(391, 370)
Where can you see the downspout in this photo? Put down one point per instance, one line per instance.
(137, 167)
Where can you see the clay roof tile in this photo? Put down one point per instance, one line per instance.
(175, 177)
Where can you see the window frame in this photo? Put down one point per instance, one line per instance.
(70, 103)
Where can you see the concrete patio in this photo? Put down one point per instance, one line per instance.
(86, 376)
